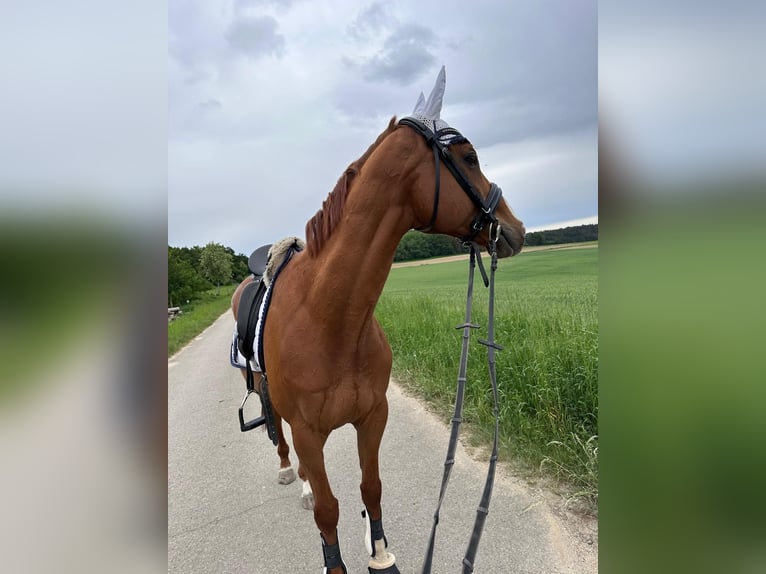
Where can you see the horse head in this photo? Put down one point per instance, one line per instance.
(451, 193)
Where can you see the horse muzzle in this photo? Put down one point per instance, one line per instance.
(511, 238)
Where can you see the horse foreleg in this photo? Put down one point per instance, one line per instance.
(309, 446)
(286, 472)
(368, 435)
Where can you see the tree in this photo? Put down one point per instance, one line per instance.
(184, 280)
(417, 245)
(215, 263)
(239, 269)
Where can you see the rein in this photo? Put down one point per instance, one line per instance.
(457, 417)
(440, 142)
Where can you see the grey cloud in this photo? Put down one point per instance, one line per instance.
(376, 17)
(362, 103)
(208, 106)
(521, 119)
(244, 4)
(255, 36)
(405, 56)
(191, 41)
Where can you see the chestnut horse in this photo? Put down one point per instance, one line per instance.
(328, 360)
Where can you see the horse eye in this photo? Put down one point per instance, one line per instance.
(471, 159)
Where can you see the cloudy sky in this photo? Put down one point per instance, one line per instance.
(268, 102)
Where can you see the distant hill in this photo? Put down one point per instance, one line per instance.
(575, 234)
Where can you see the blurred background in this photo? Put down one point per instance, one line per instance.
(83, 174)
(682, 144)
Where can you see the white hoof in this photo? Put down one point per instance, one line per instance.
(307, 496)
(286, 475)
(383, 558)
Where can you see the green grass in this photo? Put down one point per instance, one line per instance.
(197, 317)
(546, 318)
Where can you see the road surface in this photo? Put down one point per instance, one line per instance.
(226, 512)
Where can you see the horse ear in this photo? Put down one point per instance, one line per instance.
(433, 106)
(419, 104)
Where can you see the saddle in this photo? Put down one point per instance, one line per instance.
(247, 343)
(250, 304)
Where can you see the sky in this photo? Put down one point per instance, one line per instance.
(269, 101)
(83, 109)
(681, 90)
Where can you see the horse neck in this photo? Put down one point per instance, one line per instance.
(355, 262)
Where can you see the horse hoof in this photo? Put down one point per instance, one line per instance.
(286, 475)
(307, 501)
(383, 562)
(307, 497)
(390, 570)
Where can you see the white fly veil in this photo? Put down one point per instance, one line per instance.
(428, 111)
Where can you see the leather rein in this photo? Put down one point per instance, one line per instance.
(457, 417)
(485, 216)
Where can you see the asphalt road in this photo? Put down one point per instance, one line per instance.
(226, 512)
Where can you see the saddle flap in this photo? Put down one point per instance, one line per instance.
(247, 316)
(258, 260)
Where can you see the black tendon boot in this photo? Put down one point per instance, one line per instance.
(332, 557)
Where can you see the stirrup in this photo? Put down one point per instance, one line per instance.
(266, 418)
(249, 425)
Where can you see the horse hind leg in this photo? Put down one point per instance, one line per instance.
(310, 445)
(368, 435)
(307, 495)
(286, 471)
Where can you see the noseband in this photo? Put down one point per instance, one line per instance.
(440, 141)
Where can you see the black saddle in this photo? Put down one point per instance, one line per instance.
(250, 303)
(252, 300)
(258, 260)
(247, 318)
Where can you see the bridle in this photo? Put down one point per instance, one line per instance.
(440, 141)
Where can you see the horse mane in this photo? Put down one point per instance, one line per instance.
(320, 227)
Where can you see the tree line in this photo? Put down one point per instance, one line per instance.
(576, 234)
(416, 245)
(192, 271)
